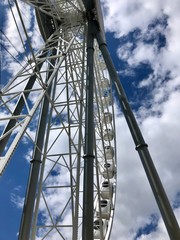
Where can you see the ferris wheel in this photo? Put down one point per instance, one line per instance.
(61, 103)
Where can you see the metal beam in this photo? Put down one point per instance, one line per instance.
(142, 148)
(20, 104)
(87, 225)
(26, 221)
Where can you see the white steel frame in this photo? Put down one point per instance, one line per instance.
(61, 170)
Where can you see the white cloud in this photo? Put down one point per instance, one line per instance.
(17, 200)
(11, 28)
(14, 39)
(15, 197)
(160, 232)
(159, 118)
(143, 53)
(135, 202)
(122, 18)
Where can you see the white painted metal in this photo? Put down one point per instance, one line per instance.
(98, 224)
(105, 207)
(108, 134)
(58, 207)
(107, 118)
(106, 189)
(108, 169)
(105, 84)
(107, 100)
(109, 152)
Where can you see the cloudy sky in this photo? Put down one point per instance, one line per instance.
(143, 38)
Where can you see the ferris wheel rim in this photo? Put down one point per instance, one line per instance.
(112, 210)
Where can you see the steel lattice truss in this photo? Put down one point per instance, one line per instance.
(53, 106)
(57, 74)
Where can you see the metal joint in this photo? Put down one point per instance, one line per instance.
(91, 15)
(141, 146)
(89, 48)
(102, 44)
(35, 160)
(88, 156)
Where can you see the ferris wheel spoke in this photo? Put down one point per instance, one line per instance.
(21, 106)
(55, 76)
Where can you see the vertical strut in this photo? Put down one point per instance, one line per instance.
(87, 228)
(26, 221)
(20, 104)
(152, 175)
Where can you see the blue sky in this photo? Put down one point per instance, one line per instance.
(143, 38)
(146, 35)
